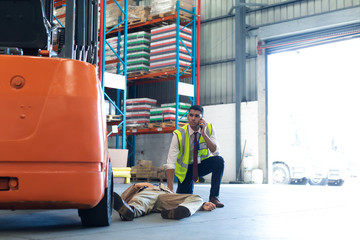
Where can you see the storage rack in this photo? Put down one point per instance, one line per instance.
(176, 74)
(167, 75)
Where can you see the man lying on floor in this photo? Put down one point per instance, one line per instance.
(143, 198)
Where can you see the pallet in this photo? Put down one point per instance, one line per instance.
(165, 124)
(134, 21)
(169, 69)
(110, 118)
(137, 73)
(142, 126)
(183, 16)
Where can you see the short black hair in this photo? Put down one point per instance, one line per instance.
(197, 108)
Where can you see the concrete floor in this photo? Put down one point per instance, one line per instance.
(251, 212)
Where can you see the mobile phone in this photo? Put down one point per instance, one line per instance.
(201, 126)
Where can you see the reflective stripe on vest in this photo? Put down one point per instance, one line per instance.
(184, 150)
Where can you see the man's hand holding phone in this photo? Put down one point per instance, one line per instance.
(202, 126)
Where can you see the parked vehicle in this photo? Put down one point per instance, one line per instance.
(299, 166)
(290, 166)
(328, 168)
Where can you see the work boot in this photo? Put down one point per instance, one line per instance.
(125, 211)
(216, 201)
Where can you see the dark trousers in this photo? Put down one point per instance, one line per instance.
(214, 165)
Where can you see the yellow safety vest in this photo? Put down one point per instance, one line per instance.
(182, 162)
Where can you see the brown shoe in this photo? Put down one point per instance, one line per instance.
(125, 211)
(216, 201)
(177, 213)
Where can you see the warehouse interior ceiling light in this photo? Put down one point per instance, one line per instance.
(313, 96)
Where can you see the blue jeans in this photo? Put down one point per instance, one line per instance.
(214, 165)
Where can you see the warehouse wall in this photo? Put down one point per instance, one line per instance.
(217, 45)
(218, 54)
(155, 147)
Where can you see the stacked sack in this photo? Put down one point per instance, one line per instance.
(169, 111)
(109, 54)
(138, 52)
(138, 111)
(163, 47)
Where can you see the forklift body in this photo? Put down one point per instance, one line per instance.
(53, 141)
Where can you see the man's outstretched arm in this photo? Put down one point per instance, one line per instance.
(171, 161)
(170, 178)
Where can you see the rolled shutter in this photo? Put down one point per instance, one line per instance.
(311, 39)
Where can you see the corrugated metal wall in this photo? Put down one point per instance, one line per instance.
(218, 45)
(217, 80)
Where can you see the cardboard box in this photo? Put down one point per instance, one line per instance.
(118, 157)
(144, 163)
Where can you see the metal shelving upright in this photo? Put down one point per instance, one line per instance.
(192, 55)
(120, 103)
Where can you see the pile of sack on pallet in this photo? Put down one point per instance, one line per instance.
(163, 47)
(153, 51)
(140, 112)
(145, 170)
(166, 113)
(138, 53)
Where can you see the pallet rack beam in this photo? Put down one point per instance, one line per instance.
(142, 131)
(156, 80)
(156, 74)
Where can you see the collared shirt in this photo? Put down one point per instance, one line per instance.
(174, 147)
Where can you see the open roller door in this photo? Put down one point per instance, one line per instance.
(313, 117)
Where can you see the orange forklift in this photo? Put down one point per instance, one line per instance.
(53, 143)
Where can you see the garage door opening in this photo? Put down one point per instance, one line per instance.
(313, 114)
